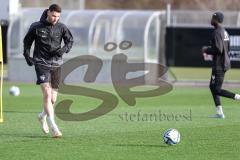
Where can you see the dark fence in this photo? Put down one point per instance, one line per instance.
(184, 44)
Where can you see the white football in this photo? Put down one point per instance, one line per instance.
(171, 136)
(14, 91)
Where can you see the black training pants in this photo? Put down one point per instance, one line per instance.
(216, 82)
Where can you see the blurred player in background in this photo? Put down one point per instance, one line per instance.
(48, 34)
(219, 50)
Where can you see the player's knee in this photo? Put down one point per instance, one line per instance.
(215, 90)
(47, 96)
(47, 93)
(218, 91)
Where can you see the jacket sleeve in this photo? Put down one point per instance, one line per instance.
(28, 40)
(216, 46)
(68, 40)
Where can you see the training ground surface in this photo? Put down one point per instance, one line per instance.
(115, 135)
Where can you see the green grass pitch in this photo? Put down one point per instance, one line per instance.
(115, 135)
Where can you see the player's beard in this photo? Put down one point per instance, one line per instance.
(51, 21)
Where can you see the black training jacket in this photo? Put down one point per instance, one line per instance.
(220, 44)
(48, 39)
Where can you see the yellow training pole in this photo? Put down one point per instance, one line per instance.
(1, 83)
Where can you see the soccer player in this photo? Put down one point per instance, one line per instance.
(219, 50)
(48, 34)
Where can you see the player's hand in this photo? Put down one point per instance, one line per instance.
(59, 52)
(29, 60)
(207, 57)
(204, 48)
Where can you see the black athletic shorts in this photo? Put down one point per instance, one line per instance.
(48, 74)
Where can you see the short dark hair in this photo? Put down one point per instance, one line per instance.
(55, 7)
